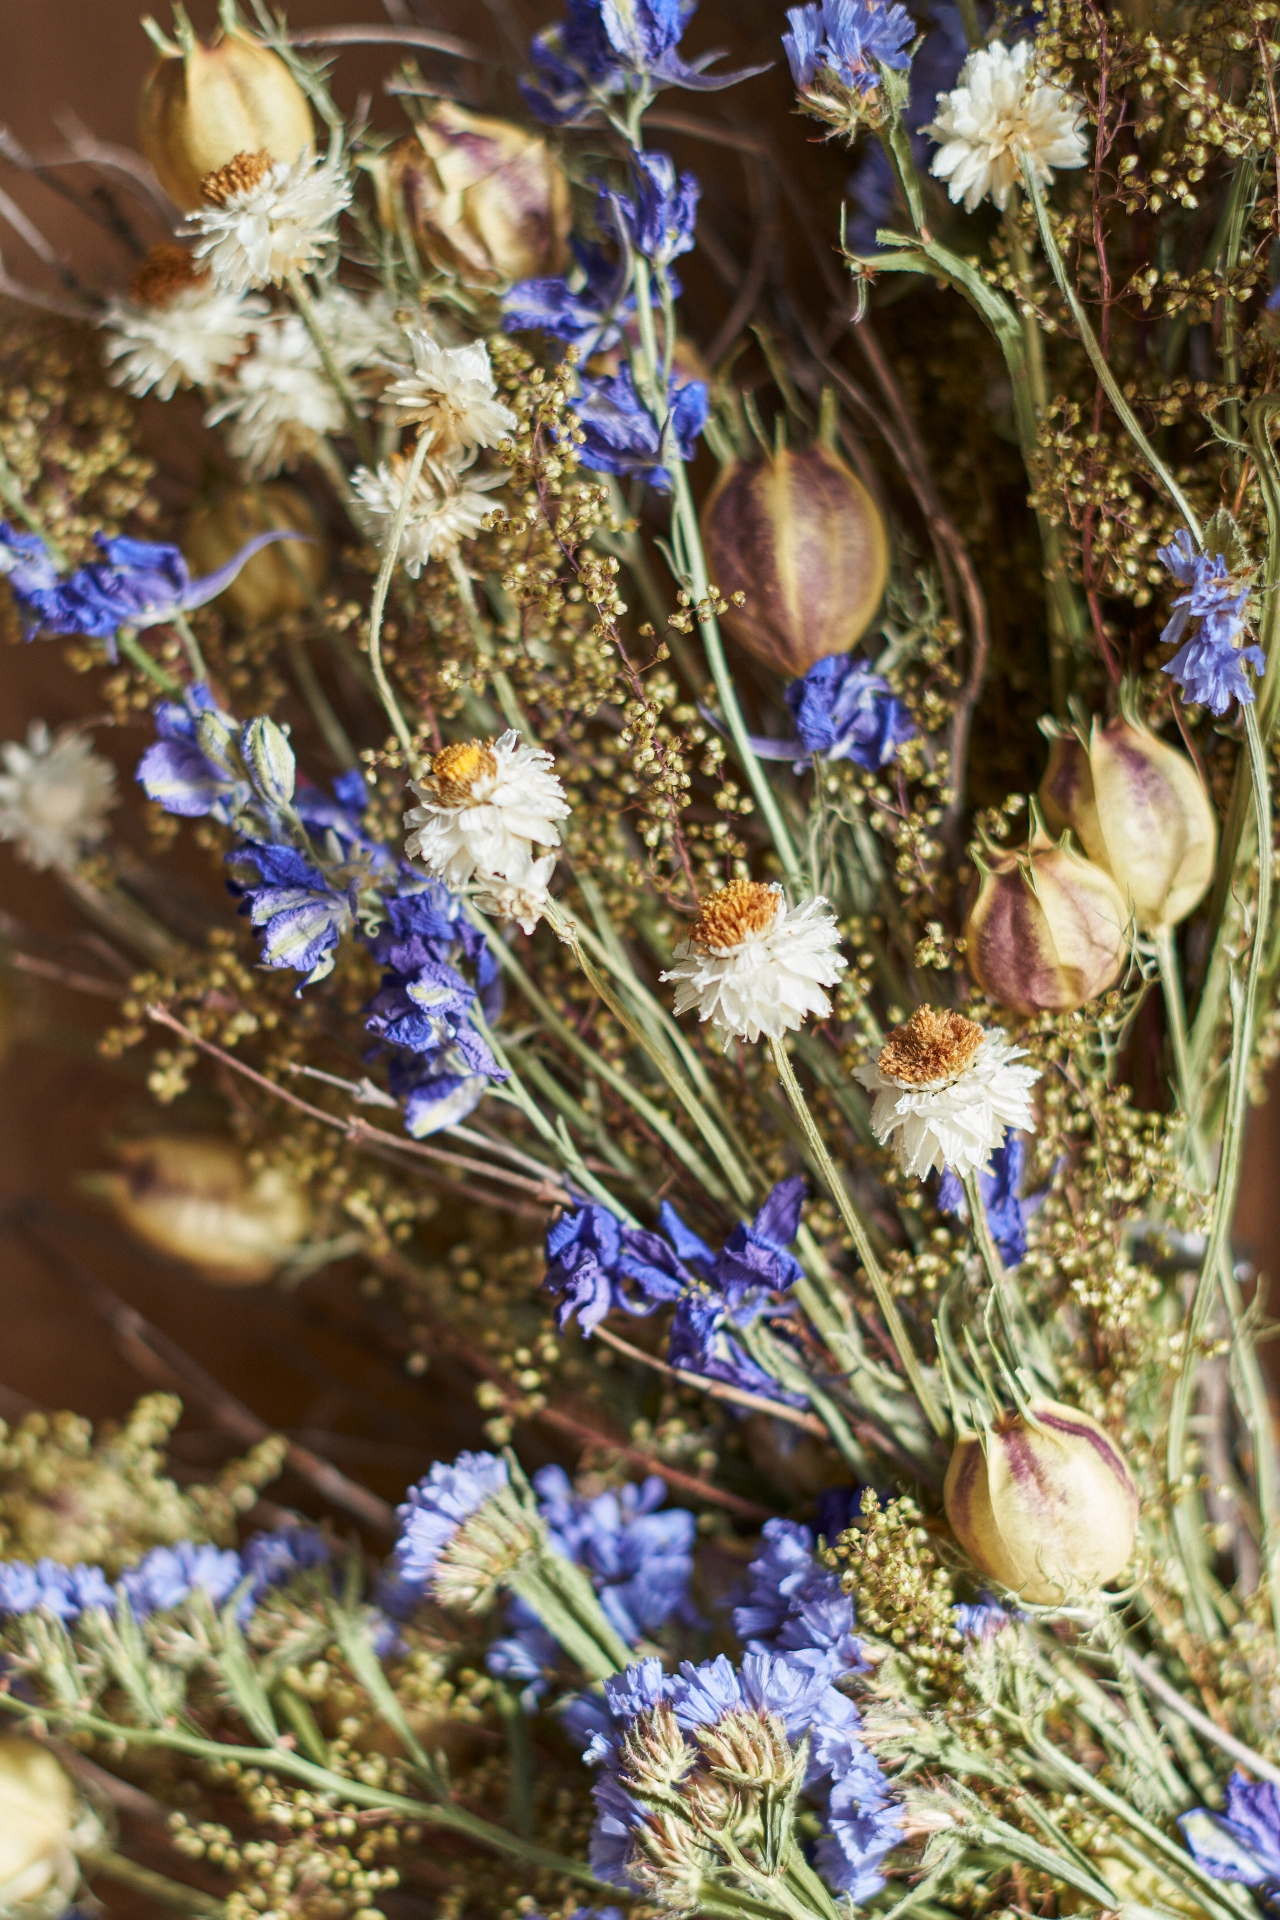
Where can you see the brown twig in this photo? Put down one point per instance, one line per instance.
(65, 977)
(160, 1359)
(715, 1389)
(372, 35)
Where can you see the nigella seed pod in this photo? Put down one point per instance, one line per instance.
(38, 1830)
(201, 106)
(1043, 1502)
(1140, 809)
(196, 1200)
(486, 200)
(1047, 930)
(284, 577)
(798, 534)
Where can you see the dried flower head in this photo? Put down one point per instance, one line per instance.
(450, 395)
(279, 400)
(999, 116)
(753, 965)
(55, 794)
(177, 329)
(946, 1090)
(448, 506)
(484, 806)
(263, 220)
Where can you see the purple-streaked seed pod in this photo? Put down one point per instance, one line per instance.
(1043, 1502)
(486, 200)
(1140, 809)
(1048, 930)
(204, 105)
(798, 534)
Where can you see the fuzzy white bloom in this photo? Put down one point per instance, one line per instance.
(278, 400)
(753, 965)
(482, 808)
(524, 901)
(997, 116)
(54, 795)
(183, 343)
(946, 1090)
(266, 219)
(451, 394)
(40, 1828)
(362, 331)
(446, 506)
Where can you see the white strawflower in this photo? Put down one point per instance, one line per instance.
(445, 508)
(265, 219)
(361, 330)
(997, 116)
(482, 806)
(451, 395)
(946, 1089)
(54, 795)
(753, 965)
(279, 399)
(523, 901)
(176, 329)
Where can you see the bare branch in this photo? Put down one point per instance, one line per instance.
(395, 36)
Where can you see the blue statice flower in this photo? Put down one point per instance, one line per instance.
(605, 47)
(195, 768)
(273, 1559)
(872, 186)
(639, 1560)
(526, 1653)
(998, 1184)
(621, 435)
(49, 1587)
(299, 912)
(1243, 1843)
(434, 1510)
(659, 221)
(137, 583)
(795, 1605)
(849, 39)
(167, 1576)
(980, 1619)
(844, 710)
(1209, 666)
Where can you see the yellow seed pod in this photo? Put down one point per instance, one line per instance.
(202, 105)
(284, 577)
(195, 1199)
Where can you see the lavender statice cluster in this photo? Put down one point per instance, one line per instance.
(164, 1578)
(842, 709)
(847, 41)
(1207, 622)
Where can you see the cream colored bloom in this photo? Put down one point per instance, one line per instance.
(278, 400)
(997, 116)
(54, 795)
(753, 965)
(524, 901)
(446, 507)
(265, 219)
(362, 333)
(40, 1828)
(451, 395)
(484, 806)
(182, 343)
(946, 1090)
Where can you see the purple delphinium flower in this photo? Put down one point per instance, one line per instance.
(592, 1257)
(1209, 666)
(659, 221)
(639, 1560)
(435, 1509)
(583, 310)
(844, 710)
(138, 583)
(299, 913)
(189, 769)
(49, 1587)
(1243, 1843)
(848, 38)
(167, 1576)
(998, 1184)
(607, 46)
(621, 435)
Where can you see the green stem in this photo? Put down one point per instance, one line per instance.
(857, 1230)
(377, 605)
(132, 649)
(1023, 1338)
(519, 1758)
(1088, 340)
(322, 711)
(301, 296)
(191, 646)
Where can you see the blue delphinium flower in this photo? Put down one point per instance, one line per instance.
(998, 1184)
(621, 435)
(848, 38)
(659, 221)
(138, 583)
(844, 710)
(49, 1587)
(584, 308)
(299, 913)
(434, 1510)
(608, 46)
(1243, 1843)
(591, 1258)
(167, 1576)
(189, 770)
(1209, 666)
(640, 1560)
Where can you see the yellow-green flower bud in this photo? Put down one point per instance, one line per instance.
(1047, 930)
(1139, 808)
(1043, 1503)
(800, 537)
(282, 578)
(201, 106)
(485, 200)
(38, 1831)
(196, 1200)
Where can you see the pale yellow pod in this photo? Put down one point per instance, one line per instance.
(195, 1199)
(1044, 1503)
(37, 1815)
(282, 578)
(199, 110)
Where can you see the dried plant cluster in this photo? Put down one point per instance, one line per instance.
(764, 975)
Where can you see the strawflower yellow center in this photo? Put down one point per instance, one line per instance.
(734, 914)
(457, 770)
(245, 171)
(166, 271)
(934, 1044)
